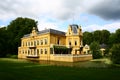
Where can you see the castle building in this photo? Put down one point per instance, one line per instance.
(54, 45)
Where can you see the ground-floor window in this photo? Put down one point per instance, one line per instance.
(41, 51)
(45, 51)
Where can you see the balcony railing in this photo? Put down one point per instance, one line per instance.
(32, 56)
(32, 47)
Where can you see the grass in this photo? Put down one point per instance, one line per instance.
(14, 69)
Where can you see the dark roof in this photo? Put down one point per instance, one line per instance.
(48, 31)
(26, 35)
(103, 45)
(74, 28)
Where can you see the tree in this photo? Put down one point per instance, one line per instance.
(16, 29)
(112, 39)
(97, 36)
(105, 36)
(3, 41)
(87, 38)
(95, 49)
(115, 56)
(117, 36)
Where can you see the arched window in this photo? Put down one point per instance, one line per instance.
(37, 42)
(45, 51)
(69, 42)
(45, 41)
(41, 42)
(75, 43)
(41, 51)
(58, 41)
(37, 51)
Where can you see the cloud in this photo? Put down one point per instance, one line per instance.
(61, 12)
(110, 27)
(107, 9)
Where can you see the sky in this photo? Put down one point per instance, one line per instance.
(91, 15)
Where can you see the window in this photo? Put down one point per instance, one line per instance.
(41, 42)
(69, 42)
(34, 43)
(45, 41)
(37, 42)
(45, 51)
(31, 43)
(41, 51)
(28, 43)
(23, 51)
(22, 43)
(75, 42)
(28, 52)
(37, 51)
(58, 42)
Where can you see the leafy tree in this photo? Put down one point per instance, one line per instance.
(115, 56)
(97, 36)
(95, 49)
(112, 39)
(16, 29)
(3, 41)
(87, 38)
(117, 36)
(105, 36)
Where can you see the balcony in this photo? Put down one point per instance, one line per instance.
(32, 47)
(32, 56)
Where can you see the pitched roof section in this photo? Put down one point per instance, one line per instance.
(48, 31)
(26, 35)
(74, 28)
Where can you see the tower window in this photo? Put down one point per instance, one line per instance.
(75, 42)
(69, 43)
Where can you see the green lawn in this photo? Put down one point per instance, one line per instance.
(13, 69)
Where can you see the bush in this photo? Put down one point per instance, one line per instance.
(115, 53)
(95, 49)
(11, 56)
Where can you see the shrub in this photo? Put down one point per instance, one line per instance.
(62, 50)
(115, 53)
(95, 50)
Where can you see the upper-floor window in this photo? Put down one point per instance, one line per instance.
(41, 42)
(37, 42)
(34, 43)
(28, 43)
(22, 43)
(31, 43)
(75, 42)
(69, 42)
(45, 41)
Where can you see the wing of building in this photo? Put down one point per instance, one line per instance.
(55, 45)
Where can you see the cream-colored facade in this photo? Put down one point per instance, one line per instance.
(40, 45)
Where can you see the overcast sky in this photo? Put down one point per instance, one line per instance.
(58, 14)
